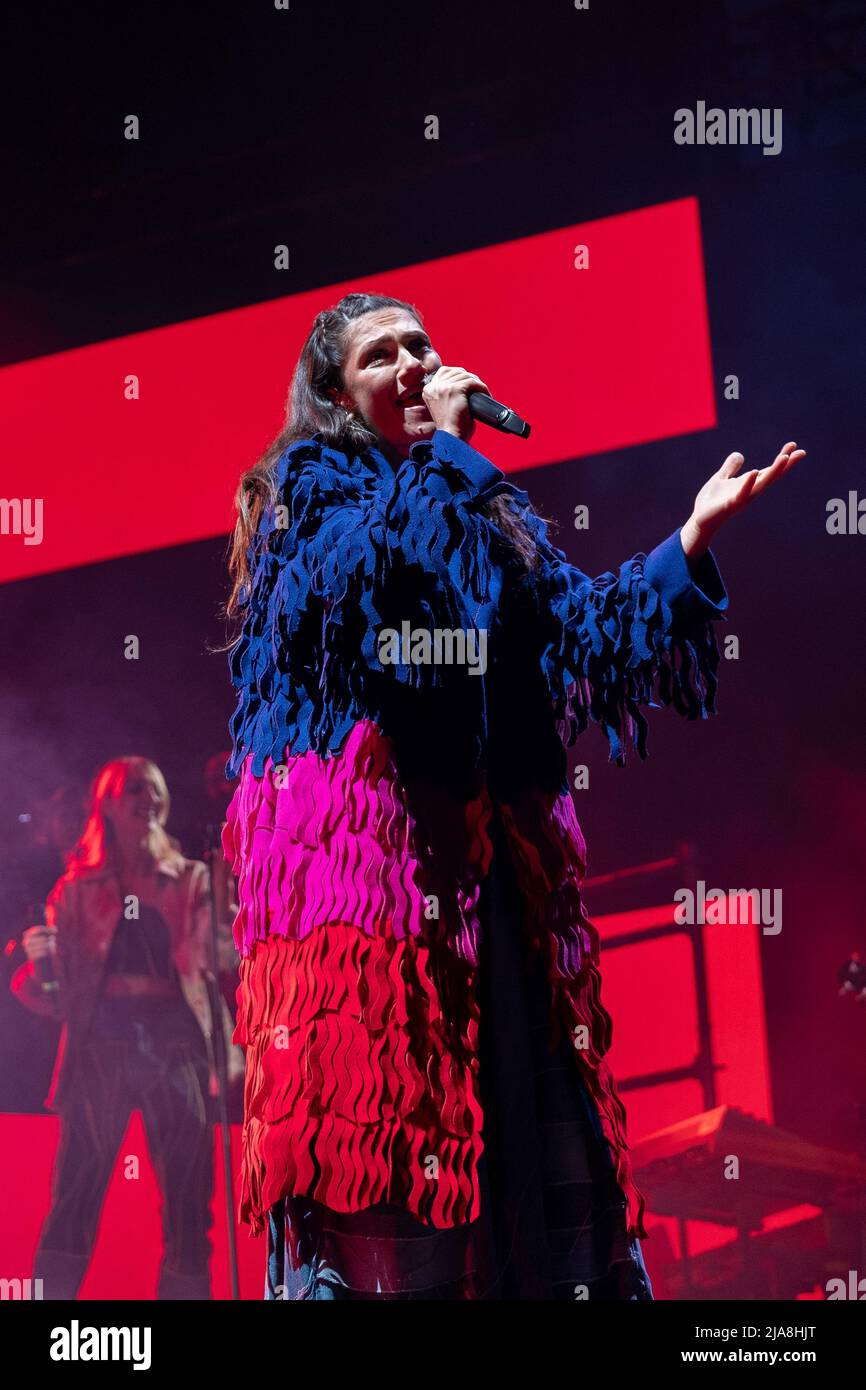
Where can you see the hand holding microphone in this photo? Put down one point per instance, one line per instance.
(446, 396)
(456, 398)
(40, 945)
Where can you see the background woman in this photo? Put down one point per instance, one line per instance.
(128, 935)
(428, 1112)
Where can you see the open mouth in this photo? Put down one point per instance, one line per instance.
(411, 398)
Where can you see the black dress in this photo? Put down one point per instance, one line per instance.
(552, 1223)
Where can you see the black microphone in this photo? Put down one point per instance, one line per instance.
(490, 412)
(44, 969)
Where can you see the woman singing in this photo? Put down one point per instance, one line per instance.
(129, 937)
(428, 1111)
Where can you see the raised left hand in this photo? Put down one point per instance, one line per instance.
(724, 494)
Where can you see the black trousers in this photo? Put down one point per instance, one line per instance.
(144, 1056)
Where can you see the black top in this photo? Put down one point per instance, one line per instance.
(141, 946)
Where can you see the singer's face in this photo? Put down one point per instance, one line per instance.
(387, 357)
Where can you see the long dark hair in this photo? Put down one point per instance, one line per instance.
(311, 410)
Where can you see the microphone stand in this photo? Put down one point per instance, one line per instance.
(220, 1058)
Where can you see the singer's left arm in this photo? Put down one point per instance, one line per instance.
(728, 492)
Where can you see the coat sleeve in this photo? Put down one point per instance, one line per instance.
(641, 637)
(608, 646)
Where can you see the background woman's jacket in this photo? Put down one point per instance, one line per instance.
(86, 906)
(359, 828)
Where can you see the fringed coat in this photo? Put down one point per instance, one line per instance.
(359, 827)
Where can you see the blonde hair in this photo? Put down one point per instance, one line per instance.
(98, 845)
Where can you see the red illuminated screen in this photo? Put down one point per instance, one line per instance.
(599, 358)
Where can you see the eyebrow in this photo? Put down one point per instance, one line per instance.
(386, 337)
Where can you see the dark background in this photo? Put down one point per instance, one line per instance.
(262, 126)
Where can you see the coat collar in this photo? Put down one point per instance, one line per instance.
(370, 460)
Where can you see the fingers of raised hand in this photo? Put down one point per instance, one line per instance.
(787, 456)
(785, 459)
(732, 464)
(794, 457)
